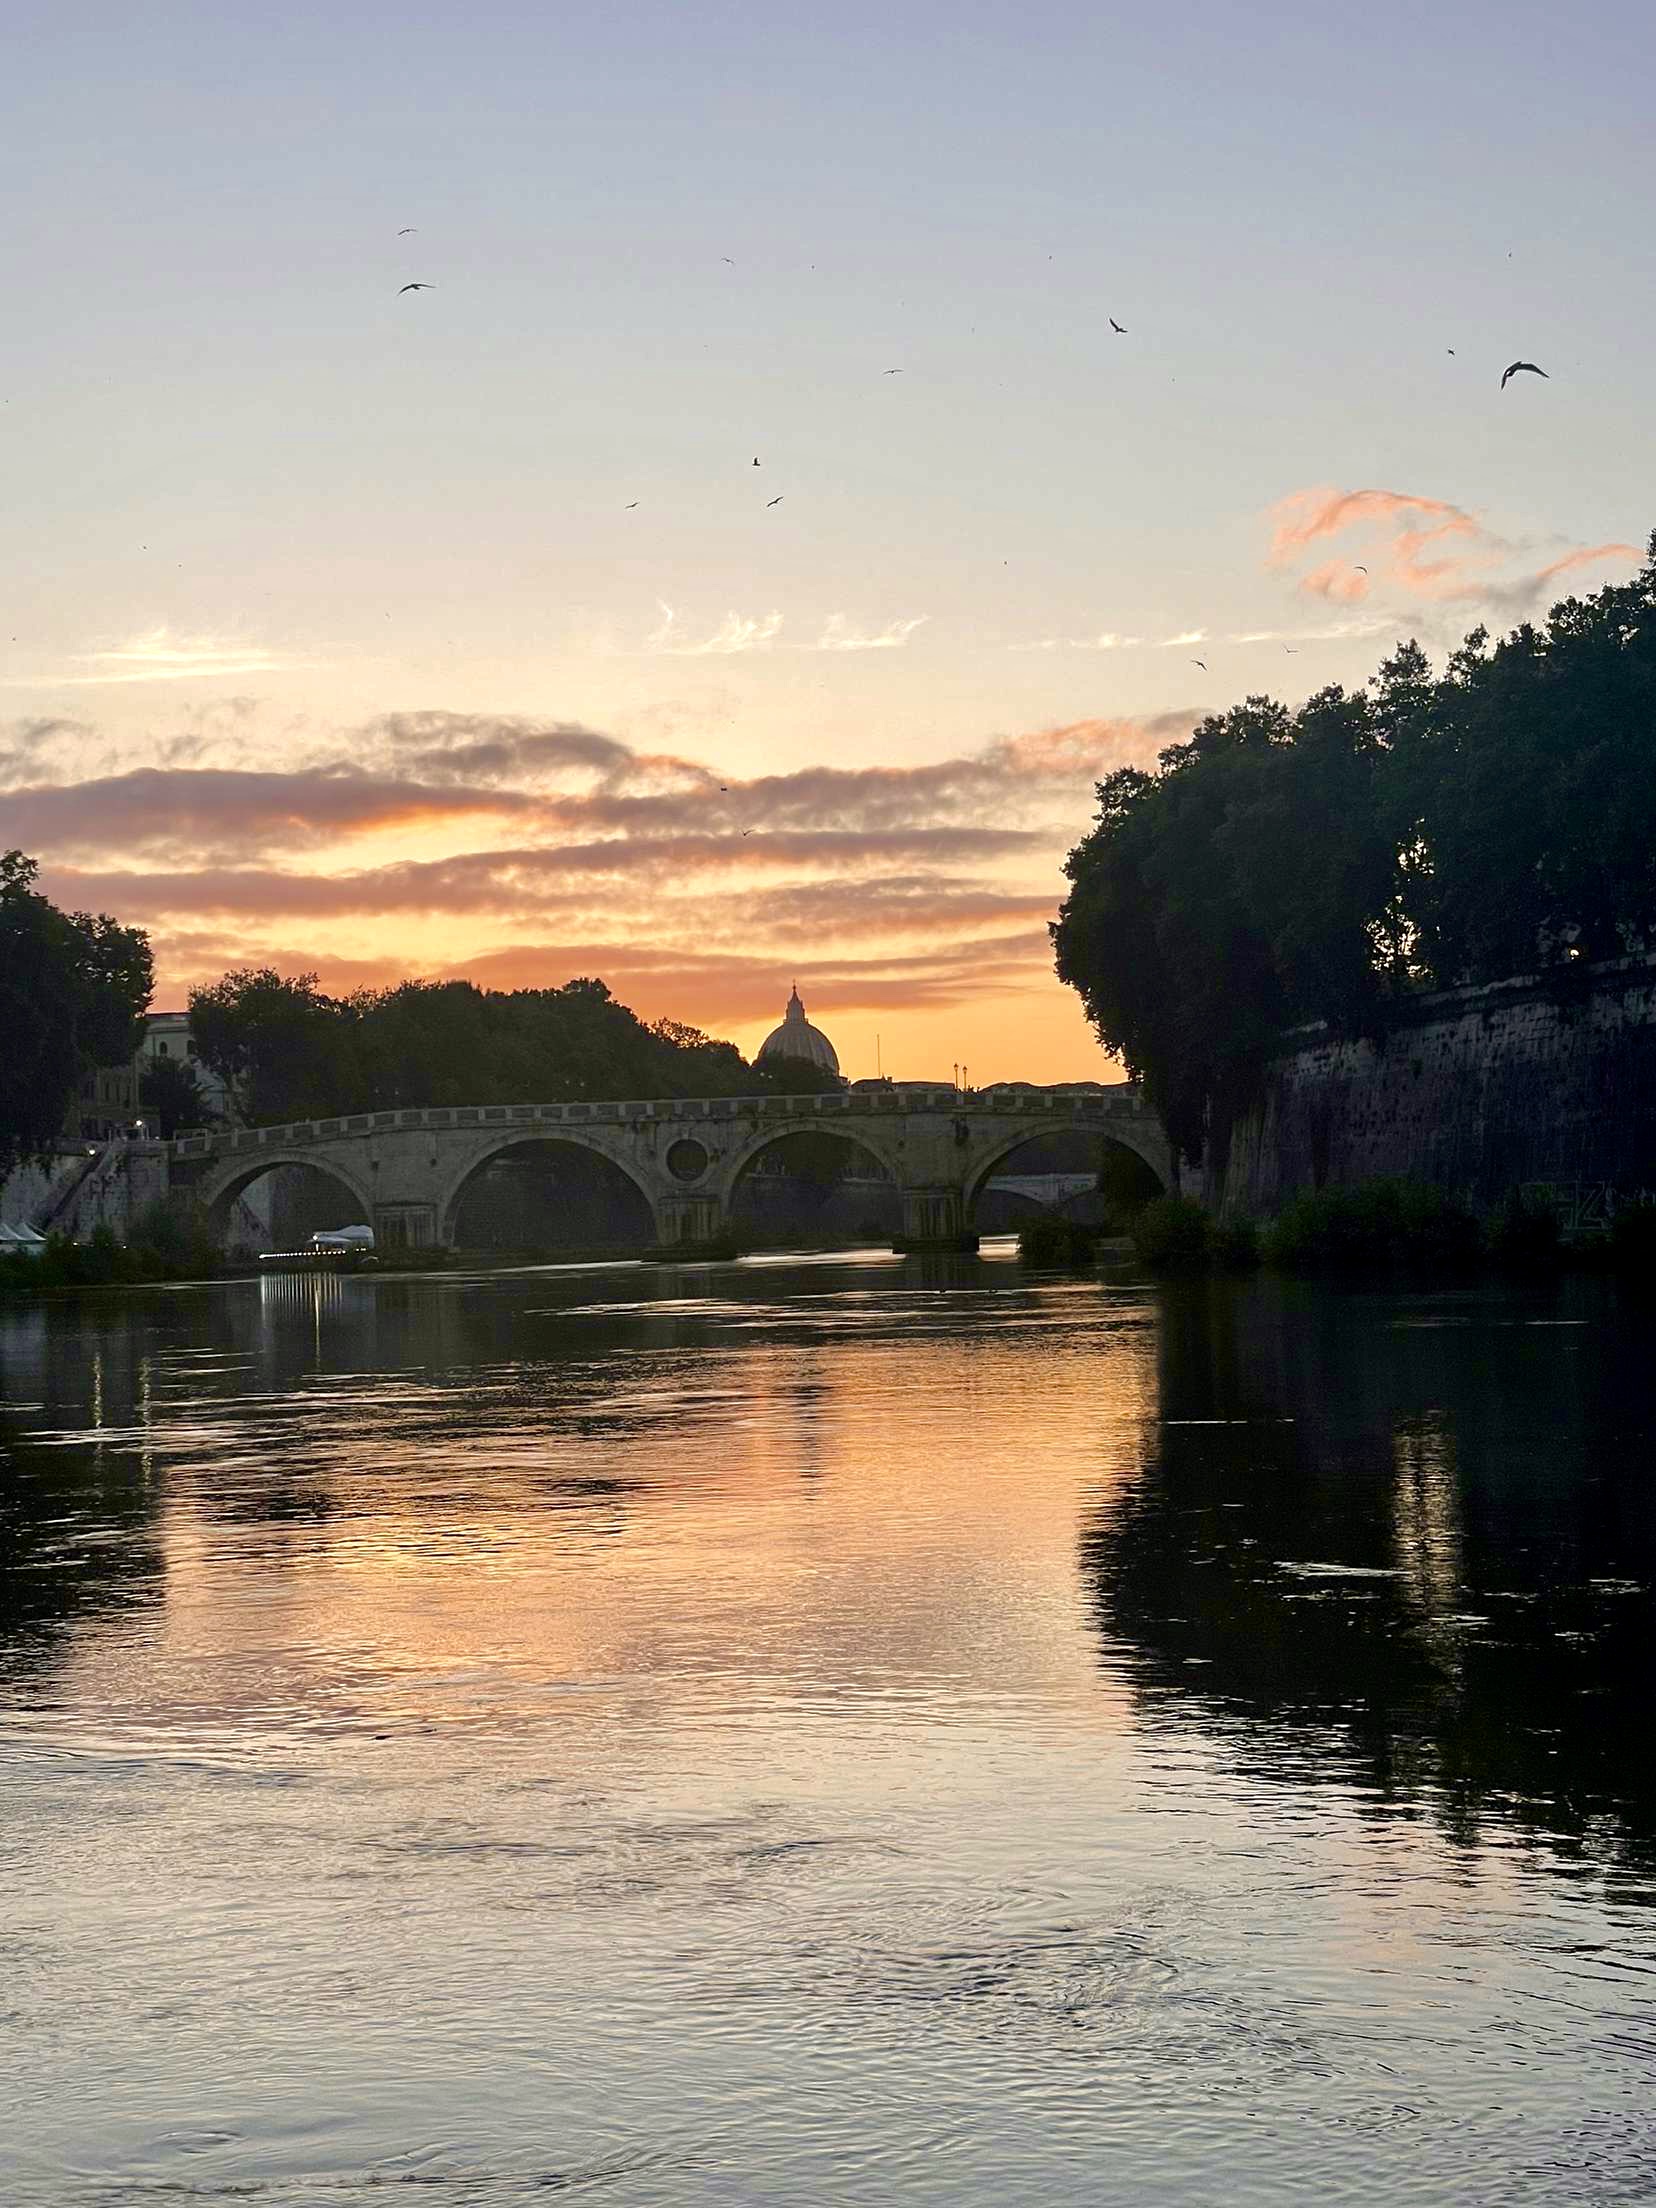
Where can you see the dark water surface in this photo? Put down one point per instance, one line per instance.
(827, 1732)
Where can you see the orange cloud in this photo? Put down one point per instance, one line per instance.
(1417, 548)
(691, 891)
(1303, 516)
(1336, 580)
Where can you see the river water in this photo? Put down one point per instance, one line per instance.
(827, 1731)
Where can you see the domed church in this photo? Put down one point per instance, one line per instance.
(797, 1038)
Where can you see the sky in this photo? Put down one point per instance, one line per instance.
(454, 632)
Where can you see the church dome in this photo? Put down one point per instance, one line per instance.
(797, 1038)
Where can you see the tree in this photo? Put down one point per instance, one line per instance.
(793, 1077)
(288, 1051)
(73, 989)
(281, 1047)
(173, 1098)
(1498, 819)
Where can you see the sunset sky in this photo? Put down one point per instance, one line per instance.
(454, 632)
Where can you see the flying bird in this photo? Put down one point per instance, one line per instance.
(1289, 649)
(1359, 570)
(1450, 350)
(410, 232)
(631, 503)
(1116, 326)
(891, 371)
(756, 460)
(416, 287)
(1202, 663)
(776, 501)
(725, 257)
(1524, 367)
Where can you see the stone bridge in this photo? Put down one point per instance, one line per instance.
(407, 1170)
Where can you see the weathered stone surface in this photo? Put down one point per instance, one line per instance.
(406, 1171)
(1481, 1091)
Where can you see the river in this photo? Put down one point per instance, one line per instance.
(839, 1730)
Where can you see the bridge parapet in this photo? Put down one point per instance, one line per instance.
(1125, 1100)
(409, 1169)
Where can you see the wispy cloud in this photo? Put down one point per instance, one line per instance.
(839, 636)
(1333, 633)
(1109, 640)
(759, 632)
(1418, 550)
(160, 656)
(737, 632)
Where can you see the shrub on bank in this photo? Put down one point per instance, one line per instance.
(1375, 1223)
(1050, 1240)
(1173, 1234)
(1633, 1238)
(167, 1244)
(1525, 1235)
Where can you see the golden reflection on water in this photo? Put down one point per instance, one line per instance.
(853, 1508)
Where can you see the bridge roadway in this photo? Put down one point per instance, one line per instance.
(409, 1169)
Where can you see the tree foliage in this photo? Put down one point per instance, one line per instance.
(173, 1098)
(288, 1051)
(73, 989)
(1428, 830)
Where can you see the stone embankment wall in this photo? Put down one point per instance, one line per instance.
(81, 1188)
(1479, 1092)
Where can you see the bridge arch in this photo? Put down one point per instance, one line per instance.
(857, 1132)
(217, 1191)
(594, 1141)
(1007, 1142)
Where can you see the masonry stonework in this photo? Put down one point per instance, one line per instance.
(1481, 1091)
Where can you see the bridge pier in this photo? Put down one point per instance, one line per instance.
(934, 1218)
(408, 1170)
(399, 1226)
(691, 1226)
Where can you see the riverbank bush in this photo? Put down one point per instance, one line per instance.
(1632, 1243)
(1375, 1224)
(172, 1248)
(1173, 1234)
(1050, 1240)
(1524, 1235)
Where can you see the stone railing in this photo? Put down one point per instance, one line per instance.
(1125, 1100)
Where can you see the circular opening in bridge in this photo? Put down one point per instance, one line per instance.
(546, 1198)
(687, 1159)
(1072, 1172)
(281, 1206)
(811, 1190)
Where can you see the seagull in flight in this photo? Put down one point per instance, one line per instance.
(776, 501)
(416, 287)
(728, 262)
(631, 503)
(1290, 650)
(1116, 326)
(1359, 570)
(891, 371)
(1524, 367)
(1202, 663)
(410, 232)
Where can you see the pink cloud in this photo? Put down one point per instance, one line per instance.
(1303, 516)
(1337, 581)
(1418, 548)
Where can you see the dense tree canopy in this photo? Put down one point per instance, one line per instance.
(73, 988)
(1428, 830)
(291, 1052)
